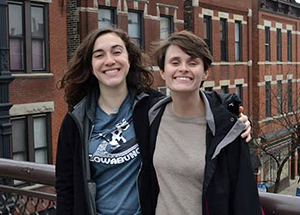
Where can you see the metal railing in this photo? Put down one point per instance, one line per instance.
(19, 201)
(24, 201)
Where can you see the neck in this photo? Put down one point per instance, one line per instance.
(110, 100)
(187, 105)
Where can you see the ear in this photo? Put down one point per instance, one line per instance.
(205, 75)
(162, 74)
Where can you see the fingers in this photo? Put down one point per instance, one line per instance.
(244, 119)
(241, 109)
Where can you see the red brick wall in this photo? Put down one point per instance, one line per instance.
(30, 90)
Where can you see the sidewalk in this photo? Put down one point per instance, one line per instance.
(291, 190)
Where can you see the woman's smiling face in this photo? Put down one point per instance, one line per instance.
(110, 61)
(182, 73)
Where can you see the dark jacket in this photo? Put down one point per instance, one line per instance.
(75, 190)
(229, 187)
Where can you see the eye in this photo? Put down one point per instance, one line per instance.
(175, 62)
(117, 52)
(193, 63)
(98, 55)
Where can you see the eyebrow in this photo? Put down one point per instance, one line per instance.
(174, 58)
(113, 47)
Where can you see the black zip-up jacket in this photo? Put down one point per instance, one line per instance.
(75, 190)
(229, 187)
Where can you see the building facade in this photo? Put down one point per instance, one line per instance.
(275, 83)
(37, 59)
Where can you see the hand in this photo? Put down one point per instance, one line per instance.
(244, 118)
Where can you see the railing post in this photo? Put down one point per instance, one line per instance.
(5, 79)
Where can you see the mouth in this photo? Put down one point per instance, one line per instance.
(111, 71)
(183, 78)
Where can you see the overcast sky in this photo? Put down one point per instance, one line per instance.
(298, 1)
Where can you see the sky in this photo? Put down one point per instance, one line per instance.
(298, 1)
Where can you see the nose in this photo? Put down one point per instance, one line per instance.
(183, 67)
(110, 60)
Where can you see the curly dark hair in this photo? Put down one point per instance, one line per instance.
(78, 79)
(187, 42)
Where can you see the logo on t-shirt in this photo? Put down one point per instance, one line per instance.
(114, 147)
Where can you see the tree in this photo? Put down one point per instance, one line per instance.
(282, 120)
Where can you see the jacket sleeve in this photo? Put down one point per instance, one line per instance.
(244, 198)
(64, 168)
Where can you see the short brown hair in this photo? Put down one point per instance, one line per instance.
(78, 79)
(187, 42)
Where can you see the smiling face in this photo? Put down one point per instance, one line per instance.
(110, 62)
(182, 73)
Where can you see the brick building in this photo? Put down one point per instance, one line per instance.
(37, 58)
(275, 83)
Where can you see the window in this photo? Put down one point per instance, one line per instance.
(106, 18)
(278, 46)
(238, 41)
(239, 91)
(225, 89)
(207, 32)
(279, 97)
(267, 43)
(223, 39)
(31, 138)
(289, 45)
(268, 99)
(28, 27)
(208, 88)
(166, 27)
(135, 27)
(290, 94)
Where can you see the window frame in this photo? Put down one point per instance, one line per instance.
(290, 95)
(225, 89)
(207, 22)
(171, 24)
(239, 42)
(141, 27)
(29, 141)
(268, 98)
(239, 91)
(267, 43)
(279, 97)
(278, 44)
(224, 39)
(289, 45)
(113, 15)
(28, 38)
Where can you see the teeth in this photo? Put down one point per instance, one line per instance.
(111, 71)
(183, 79)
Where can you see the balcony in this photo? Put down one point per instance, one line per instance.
(21, 200)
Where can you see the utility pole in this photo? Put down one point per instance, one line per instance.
(5, 79)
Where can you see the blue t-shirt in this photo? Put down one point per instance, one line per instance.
(115, 162)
